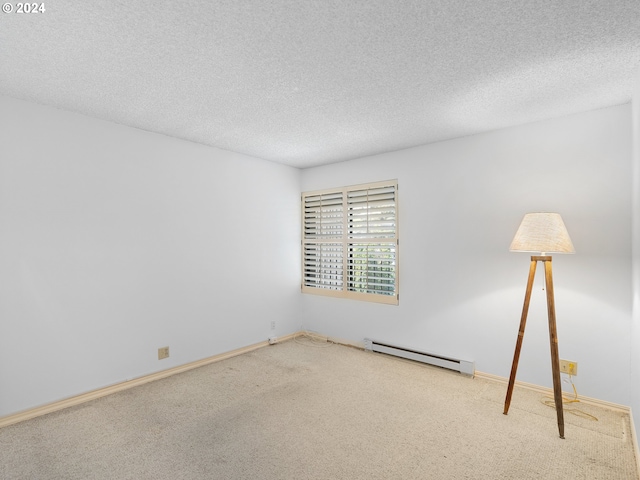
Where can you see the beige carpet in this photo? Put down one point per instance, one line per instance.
(299, 411)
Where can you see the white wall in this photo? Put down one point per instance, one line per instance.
(115, 241)
(461, 291)
(635, 333)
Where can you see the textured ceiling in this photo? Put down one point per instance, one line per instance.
(312, 82)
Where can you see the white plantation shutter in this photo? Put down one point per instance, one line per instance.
(323, 251)
(350, 242)
(371, 264)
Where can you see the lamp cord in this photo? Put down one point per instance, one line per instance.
(550, 402)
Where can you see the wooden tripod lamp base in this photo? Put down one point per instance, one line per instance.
(553, 338)
(541, 232)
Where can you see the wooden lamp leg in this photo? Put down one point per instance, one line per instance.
(553, 339)
(523, 323)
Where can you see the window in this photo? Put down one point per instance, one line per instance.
(350, 242)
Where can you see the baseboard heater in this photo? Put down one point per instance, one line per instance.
(463, 366)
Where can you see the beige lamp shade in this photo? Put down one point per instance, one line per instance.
(542, 232)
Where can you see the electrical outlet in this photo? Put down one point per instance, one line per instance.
(569, 367)
(273, 324)
(163, 353)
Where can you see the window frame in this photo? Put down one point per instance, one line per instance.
(342, 285)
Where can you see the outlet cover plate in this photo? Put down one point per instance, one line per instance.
(569, 367)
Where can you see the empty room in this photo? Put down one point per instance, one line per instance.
(314, 239)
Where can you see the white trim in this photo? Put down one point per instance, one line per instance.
(103, 392)
(366, 297)
(536, 388)
(549, 391)
(118, 387)
(347, 343)
(359, 186)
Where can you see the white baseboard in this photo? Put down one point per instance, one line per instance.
(102, 392)
(348, 343)
(118, 387)
(549, 391)
(530, 386)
